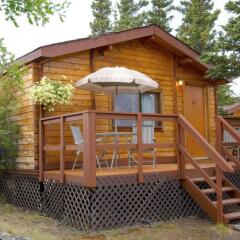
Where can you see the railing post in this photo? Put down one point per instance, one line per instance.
(180, 157)
(41, 152)
(89, 152)
(140, 148)
(219, 135)
(219, 178)
(62, 147)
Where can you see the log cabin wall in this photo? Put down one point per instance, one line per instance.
(237, 113)
(155, 62)
(24, 118)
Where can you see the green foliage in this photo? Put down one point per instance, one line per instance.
(226, 96)
(197, 28)
(36, 11)
(11, 73)
(226, 54)
(50, 93)
(160, 13)
(11, 90)
(130, 14)
(101, 11)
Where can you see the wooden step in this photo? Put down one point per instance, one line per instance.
(198, 180)
(229, 201)
(232, 216)
(211, 190)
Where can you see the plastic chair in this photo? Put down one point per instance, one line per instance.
(147, 138)
(78, 140)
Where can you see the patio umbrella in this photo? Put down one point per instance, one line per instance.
(110, 80)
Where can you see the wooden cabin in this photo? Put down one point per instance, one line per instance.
(188, 146)
(233, 109)
(149, 50)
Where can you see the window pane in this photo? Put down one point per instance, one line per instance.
(149, 103)
(126, 103)
(149, 106)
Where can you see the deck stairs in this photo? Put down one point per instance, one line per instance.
(210, 188)
(206, 197)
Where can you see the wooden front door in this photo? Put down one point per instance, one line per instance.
(194, 111)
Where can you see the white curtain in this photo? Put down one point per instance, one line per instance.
(148, 106)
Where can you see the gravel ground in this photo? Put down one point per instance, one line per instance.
(6, 236)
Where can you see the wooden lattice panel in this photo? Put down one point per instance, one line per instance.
(122, 202)
(117, 201)
(52, 200)
(22, 190)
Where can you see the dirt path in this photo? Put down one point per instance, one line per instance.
(17, 222)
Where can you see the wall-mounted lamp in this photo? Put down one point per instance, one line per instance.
(179, 82)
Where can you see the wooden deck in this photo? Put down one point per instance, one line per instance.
(76, 175)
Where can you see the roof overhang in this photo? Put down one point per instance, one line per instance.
(232, 108)
(157, 34)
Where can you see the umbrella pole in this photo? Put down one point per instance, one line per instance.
(116, 121)
(140, 101)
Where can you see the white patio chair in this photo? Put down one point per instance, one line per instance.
(78, 140)
(228, 138)
(147, 138)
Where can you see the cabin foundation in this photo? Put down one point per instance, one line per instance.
(118, 201)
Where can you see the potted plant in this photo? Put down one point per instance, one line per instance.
(49, 93)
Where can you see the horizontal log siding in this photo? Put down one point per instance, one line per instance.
(24, 118)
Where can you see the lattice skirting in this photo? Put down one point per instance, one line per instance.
(117, 201)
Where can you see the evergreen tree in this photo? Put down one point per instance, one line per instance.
(160, 13)
(130, 15)
(226, 96)
(226, 54)
(197, 29)
(101, 11)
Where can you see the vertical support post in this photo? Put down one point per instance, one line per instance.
(41, 152)
(219, 135)
(89, 152)
(62, 148)
(215, 99)
(180, 157)
(219, 178)
(93, 99)
(140, 148)
(175, 89)
(219, 173)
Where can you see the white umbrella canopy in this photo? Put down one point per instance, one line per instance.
(117, 80)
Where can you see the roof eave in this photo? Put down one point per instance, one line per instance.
(69, 47)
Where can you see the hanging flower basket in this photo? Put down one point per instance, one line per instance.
(49, 93)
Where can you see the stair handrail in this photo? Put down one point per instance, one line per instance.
(229, 128)
(212, 152)
(221, 125)
(221, 163)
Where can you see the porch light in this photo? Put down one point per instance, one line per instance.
(179, 82)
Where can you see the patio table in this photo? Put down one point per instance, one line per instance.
(116, 135)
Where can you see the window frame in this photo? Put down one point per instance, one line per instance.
(158, 107)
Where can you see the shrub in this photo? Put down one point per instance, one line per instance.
(11, 90)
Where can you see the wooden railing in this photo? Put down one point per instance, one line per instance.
(184, 127)
(228, 126)
(89, 146)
